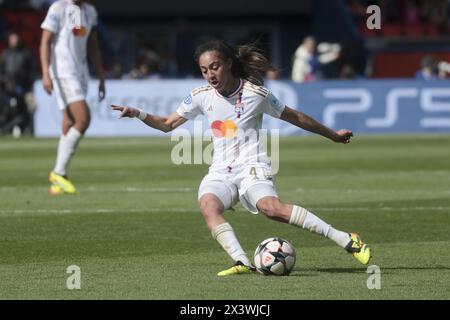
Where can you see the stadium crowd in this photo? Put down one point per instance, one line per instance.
(411, 18)
(137, 56)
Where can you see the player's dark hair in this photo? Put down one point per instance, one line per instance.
(248, 62)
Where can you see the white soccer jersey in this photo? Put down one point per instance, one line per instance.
(72, 26)
(235, 122)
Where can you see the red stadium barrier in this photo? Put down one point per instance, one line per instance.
(401, 64)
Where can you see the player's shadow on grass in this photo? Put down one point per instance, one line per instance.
(364, 269)
(401, 205)
(336, 270)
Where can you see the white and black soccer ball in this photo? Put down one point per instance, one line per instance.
(275, 256)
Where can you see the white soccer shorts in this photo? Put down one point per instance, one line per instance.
(249, 185)
(69, 90)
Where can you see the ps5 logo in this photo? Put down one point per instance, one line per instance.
(430, 101)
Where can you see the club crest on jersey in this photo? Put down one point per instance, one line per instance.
(239, 106)
(75, 21)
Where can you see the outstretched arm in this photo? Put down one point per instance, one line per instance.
(164, 124)
(307, 123)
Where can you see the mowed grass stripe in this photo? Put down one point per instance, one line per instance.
(136, 232)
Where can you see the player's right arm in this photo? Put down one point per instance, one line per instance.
(45, 52)
(165, 124)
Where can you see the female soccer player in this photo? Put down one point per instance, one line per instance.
(68, 31)
(234, 102)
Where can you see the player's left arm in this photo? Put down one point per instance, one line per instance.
(307, 123)
(96, 59)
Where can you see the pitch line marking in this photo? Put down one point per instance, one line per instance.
(184, 210)
(125, 189)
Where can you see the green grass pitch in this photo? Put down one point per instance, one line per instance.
(136, 233)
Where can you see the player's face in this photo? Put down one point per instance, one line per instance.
(215, 70)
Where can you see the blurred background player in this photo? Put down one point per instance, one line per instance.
(305, 61)
(68, 35)
(428, 69)
(17, 75)
(234, 102)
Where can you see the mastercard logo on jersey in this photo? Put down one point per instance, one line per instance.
(79, 32)
(224, 129)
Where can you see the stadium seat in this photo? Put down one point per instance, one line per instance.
(432, 30)
(392, 30)
(31, 19)
(2, 28)
(29, 39)
(366, 32)
(414, 30)
(12, 20)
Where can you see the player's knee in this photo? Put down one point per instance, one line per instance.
(270, 207)
(87, 122)
(66, 127)
(210, 206)
(83, 123)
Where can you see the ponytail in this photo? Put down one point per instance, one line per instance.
(248, 62)
(252, 64)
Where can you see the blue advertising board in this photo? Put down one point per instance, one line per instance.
(363, 106)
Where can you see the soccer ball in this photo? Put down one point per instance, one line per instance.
(275, 256)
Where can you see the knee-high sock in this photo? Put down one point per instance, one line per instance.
(224, 234)
(302, 218)
(66, 149)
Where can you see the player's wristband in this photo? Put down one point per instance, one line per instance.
(142, 114)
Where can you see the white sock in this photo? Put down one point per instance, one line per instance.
(302, 218)
(66, 148)
(224, 234)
